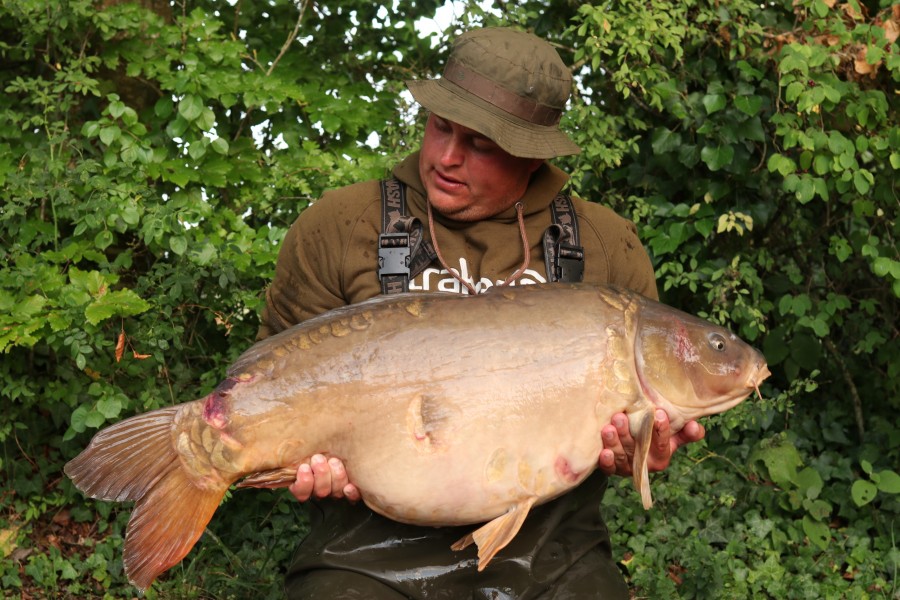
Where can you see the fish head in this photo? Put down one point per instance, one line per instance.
(691, 367)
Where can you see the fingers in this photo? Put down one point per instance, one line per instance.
(351, 493)
(607, 460)
(323, 478)
(322, 472)
(302, 488)
(618, 447)
(692, 432)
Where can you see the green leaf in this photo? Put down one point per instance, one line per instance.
(103, 239)
(861, 183)
(889, 482)
(663, 140)
(77, 420)
(717, 157)
(116, 108)
(806, 189)
(109, 407)
(820, 8)
(749, 105)
(884, 266)
(817, 532)
(220, 145)
(93, 419)
(190, 107)
(163, 107)
(781, 462)
(863, 492)
(110, 134)
(178, 244)
(122, 303)
(90, 129)
(810, 483)
(782, 164)
(714, 103)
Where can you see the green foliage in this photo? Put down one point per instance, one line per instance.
(151, 159)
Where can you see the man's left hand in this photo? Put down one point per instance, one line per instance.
(618, 445)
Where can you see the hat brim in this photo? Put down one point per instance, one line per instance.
(517, 136)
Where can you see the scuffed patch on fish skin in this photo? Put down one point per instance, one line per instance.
(413, 307)
(214, 408)
(426, 418)
(684, 349)
(416, 425)
(564, 470)
(206, 451)
(534, 481)
(613, 298)
(496, 465)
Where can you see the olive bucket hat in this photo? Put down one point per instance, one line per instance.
(509, 85)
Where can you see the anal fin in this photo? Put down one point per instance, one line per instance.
(495, 535)
(274, 478)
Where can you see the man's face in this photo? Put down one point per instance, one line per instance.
(467, 176)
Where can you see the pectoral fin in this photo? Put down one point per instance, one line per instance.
(641, 423)
(496, 534)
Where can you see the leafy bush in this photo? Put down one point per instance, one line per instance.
(151, 159)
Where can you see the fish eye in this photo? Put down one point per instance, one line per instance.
(716, 342)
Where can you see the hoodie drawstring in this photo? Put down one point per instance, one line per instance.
(520, 214)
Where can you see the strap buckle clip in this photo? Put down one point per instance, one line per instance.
(393, 254)
(570, 262)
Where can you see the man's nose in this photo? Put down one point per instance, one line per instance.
(453, 152)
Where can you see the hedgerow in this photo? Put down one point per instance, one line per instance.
(152, 157)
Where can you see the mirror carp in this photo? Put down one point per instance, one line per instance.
(446, 410)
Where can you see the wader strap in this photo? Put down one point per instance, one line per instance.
(563, 253)
(401, 252)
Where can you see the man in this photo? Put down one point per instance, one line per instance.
(482, 184)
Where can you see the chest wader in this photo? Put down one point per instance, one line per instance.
(562, 550)
(402, 253)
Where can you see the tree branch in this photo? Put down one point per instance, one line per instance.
(290, 39)
(854, 393)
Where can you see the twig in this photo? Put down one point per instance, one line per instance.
(290, 39)
(854, 393)
(284, 48)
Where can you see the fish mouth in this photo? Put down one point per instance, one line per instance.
(758, 376)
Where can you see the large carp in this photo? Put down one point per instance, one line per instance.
(445, 409)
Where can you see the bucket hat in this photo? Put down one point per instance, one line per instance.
(508, 85)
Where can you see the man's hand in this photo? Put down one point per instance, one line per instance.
(618, 445)
(323, 478)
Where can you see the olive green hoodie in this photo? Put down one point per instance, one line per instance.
(329, 256)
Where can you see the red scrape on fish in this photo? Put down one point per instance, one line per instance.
(214, 408)
(564, 470)
(684, 349)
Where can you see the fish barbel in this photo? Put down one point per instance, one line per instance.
(445, 409)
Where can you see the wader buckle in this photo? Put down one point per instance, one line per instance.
(570, 262)
(393, 254)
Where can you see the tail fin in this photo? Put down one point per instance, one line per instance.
(136, 460)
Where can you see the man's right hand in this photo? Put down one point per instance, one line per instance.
(323, 478)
